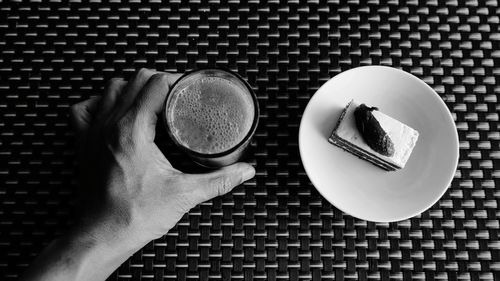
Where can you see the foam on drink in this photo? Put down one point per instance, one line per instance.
(211, 115)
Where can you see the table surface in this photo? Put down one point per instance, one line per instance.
(275, 226)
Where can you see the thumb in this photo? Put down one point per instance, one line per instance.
(224, 180)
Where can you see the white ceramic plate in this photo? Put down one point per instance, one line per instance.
(359, 188)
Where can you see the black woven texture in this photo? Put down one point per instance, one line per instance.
(276, 226)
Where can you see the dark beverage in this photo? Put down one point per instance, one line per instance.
(212, 115)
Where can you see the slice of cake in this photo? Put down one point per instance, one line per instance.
(374, 136)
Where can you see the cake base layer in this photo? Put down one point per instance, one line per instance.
(359, 153)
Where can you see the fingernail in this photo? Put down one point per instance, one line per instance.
(248, 173)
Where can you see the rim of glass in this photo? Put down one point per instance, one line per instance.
(250, 133)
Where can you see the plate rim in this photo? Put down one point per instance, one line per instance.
(450, 118)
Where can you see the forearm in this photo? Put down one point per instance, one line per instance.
(80, 255)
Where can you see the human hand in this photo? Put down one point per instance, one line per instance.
(130, 193)
(129, 189)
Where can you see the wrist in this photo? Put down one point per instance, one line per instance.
(107, 237)
(95, 251)
(81, 254)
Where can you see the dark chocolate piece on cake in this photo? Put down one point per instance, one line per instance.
(372, 132)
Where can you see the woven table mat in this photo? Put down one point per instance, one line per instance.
(275, 226)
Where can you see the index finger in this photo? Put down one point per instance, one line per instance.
(150, 101)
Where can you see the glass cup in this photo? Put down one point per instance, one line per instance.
(194, 120)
